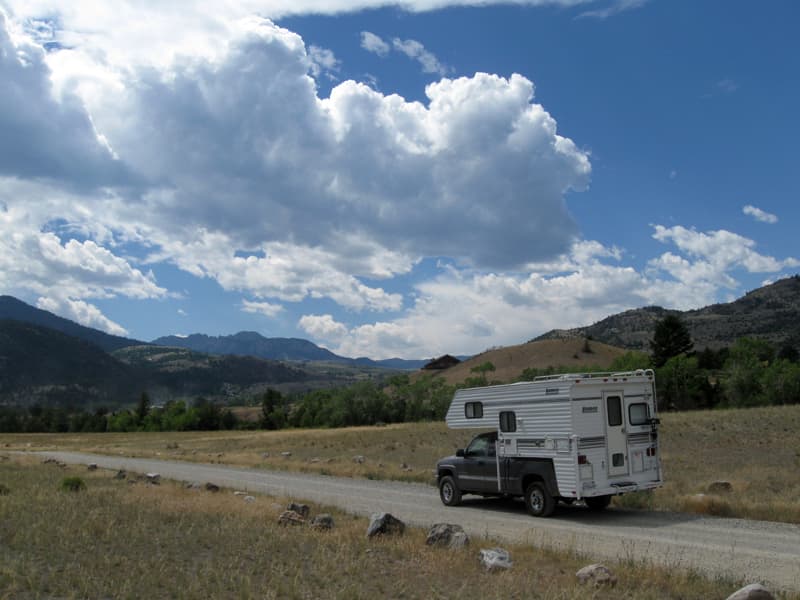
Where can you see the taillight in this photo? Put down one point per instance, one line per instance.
(582, 459)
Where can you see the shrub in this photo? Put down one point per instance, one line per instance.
(72, 484)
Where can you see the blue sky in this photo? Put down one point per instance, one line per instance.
(394, 179)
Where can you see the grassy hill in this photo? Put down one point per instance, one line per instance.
(511, 361)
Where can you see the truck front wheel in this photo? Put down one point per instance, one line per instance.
(449, 492)
(538, 502)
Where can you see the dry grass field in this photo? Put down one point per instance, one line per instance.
(118, 539)
(757, 450)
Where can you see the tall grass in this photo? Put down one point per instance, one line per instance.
(118, 540)
(757, 450)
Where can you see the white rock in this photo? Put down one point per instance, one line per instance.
(754, 591)
(496, 558)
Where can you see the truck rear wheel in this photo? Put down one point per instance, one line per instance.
(538, 502)
(449, 492)
(597, 502)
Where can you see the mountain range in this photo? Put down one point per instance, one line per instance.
(250, 343)
(50, 360)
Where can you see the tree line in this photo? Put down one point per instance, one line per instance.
(751, 372)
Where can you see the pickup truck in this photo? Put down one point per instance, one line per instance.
(477, 470)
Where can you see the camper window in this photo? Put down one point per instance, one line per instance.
(614, 410)
(473, 410)
(508, 421)
(638, 414)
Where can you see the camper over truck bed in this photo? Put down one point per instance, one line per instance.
(558, 438)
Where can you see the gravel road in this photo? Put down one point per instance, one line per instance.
(735, 548)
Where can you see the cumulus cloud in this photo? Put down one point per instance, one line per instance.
(81, 312)
(470, 311)
(42, 137)
(323, 327)
(261, 308)
(759, 215)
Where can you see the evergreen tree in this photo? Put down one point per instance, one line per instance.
(671, 338)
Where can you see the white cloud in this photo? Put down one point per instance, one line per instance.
(323, 327)
(374, 43)
(81, 312)
(616, 7)
(415, 50)
(759, 215)
(261, 308)
(323, 60)
(465, 312)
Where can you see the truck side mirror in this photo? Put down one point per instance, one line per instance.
(460, 453)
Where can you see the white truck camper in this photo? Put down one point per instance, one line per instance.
(567, 437)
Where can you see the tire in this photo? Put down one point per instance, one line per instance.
(538, 502)
(449, 492)
(597, 502)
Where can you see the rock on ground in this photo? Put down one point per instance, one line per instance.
(597, 574)
(385, 524)
(754, 591)
(322, 522)
(447, 535)
(495, 559)
(301, 509)
(289, 517)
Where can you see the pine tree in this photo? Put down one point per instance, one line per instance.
(671, 338)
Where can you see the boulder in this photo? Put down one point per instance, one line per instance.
(286, 454)
(153, 478)
(359, 459)
(301, 509)
(289, 517)
(121, 474)
(249, 499)
(211, 487)
(193, 485)
(447, 535)
(597, 574)
(385, 524)
(496, 559)
(322, 522)
(754, 591)
(92, 466)
(720, 487)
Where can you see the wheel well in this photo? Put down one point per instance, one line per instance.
(529, 479)
(444, 473)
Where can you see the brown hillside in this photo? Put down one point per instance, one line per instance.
(510, 361)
